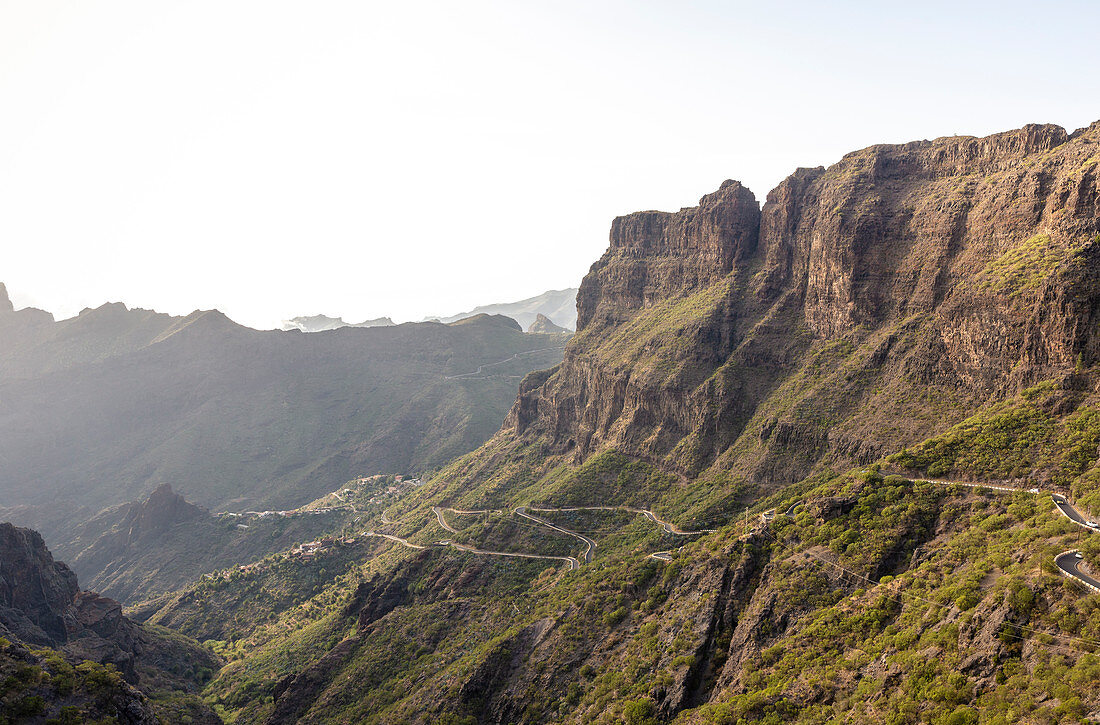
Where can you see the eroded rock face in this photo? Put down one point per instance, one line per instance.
(162, 510)
(544, 325)
(42, 604)
(36, 593)
(971, 263)
(654, 254)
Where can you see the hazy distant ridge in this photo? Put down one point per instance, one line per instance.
(558, 305)
(320, 323)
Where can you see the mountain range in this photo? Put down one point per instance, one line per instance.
(558, 306)
(102, 408)
(320, 323)
(807, 461)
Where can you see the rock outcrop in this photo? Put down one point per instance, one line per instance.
(654, 255)
(37, 594)
(42, 604)
(545, 326)
(162, 510)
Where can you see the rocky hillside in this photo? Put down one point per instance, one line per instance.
(102, 408)
(708, 472)
(71, 653)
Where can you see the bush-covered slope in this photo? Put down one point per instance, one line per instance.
(754, 375)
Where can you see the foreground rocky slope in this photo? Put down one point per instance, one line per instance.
(68, 648)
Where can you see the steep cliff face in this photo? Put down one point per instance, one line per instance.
(964, 264)
(36, 593)
(863, 309)
(654, 254)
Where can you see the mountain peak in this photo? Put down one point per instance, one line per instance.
(484, 318)
(544, 325)
(162, 510)
(5, 301)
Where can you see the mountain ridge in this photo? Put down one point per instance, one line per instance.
(280, 417)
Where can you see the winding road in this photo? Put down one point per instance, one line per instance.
(574, 563)
(571, 561)
(668, 527)
(442, 521)
(1071, 513)
(1068, 562)
(590, 544)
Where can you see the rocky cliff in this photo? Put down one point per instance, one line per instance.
(41, 604)
(71, 654)
(967, 264)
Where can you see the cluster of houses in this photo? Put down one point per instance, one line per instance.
(400, 485)
(311, 549)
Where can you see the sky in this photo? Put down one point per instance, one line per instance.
(360, 159)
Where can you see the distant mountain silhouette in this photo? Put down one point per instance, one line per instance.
(320, 323)
(560, 306)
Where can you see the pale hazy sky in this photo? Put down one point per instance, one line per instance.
(409, 158)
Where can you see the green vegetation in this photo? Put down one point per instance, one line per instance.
(43, 684)
(1046, 436)
(1024, 267)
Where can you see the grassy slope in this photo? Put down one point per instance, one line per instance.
(976, 619)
